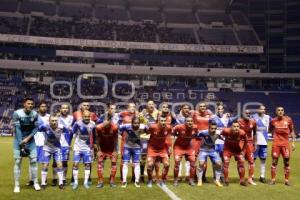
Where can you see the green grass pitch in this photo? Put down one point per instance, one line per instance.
(183, 191)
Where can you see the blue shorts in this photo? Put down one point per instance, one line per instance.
(65, 151)
(131, 152)
(31, 146)
(144, 146)
(86, 156)
(57, 156)
(212, 154)
(261, 151)
(39, 151)
(219, 148)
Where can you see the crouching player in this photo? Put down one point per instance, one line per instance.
(107, 141)
(157, 150)
(208, 150)
(52, 147)
(132, 149)
(84, 132)
(235, 145)
(183, 147)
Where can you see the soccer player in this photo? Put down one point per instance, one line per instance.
(208, 150)
(157, 150)
(52, 147)
(235, 145)
(183, 147)
(78, 115)
(262, 122)
(84, 132)
(65, 120)
(107, 142)
(248, 125)
(185, 112)
(201, 119)
(125, 117)
(109, 114)
(282, 127)
(132, 149)
(43, 118)
(148, 116)
(26, 125)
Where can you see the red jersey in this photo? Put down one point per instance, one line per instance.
(158, 136)
(281, 129)
(201, 119)
(248, 126)
(125, 117)
(107, 137)
(184, 136)
(78, 116)
(234, 142)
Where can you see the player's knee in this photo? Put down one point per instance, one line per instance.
(33, 161)
(114, 164)
(166, 164)
(75, 166)
(274, 162)
(87, 166)
(59, 165)
(286, 162)
(18, 161)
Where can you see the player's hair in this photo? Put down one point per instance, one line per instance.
(234, 122)
(27, 99)
(42, 102)
(183, 105)
(188, 117)
(212, 123)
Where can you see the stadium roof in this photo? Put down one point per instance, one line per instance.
(174, 4)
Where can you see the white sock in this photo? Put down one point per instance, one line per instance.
(187, 168)
(200, 174)
(125, 172)
(75, 176)
(60, 175)
(262, 168)
(86, 175)
(44, 176)
(17, 171)
(218, 174)
(137, 172)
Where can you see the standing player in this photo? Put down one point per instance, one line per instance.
(262, 123)
(148, 116)
(201, 120)
(43, 118)
(26, 125)
(185, 112)
(52, 147)
(78, 115)
(132, 149)
(157, 150)
(65, 120)
(282, 127)
(249, 127)
(208, 150)
(235, 145)
(125, 117)
(183, 147)
(84, 131)
(107, 142)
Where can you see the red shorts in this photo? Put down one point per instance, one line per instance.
(188, 153)
(249, 153)
(285, 151)
(196, 144)
(238, 155)
(113, 156)
(163, 153)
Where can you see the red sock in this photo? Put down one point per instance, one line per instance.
(287, 170)
(165, 173)
(273, 172)
(113, 172)
(241, 169)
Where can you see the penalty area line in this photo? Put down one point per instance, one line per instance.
(169, 192)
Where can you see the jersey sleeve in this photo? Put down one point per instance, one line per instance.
(18, 131)
(75, 128)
